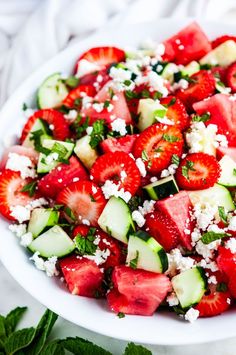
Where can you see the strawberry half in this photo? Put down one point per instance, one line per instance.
(78, 93)
(197, 171)
(11, 185)
(60, 177)
(219, 40)
(202, 85)
(85, 199)
(156, 145)
(226, 261)
(213, 304)
(162, 229)
(232, 284)
(176, 112)
(231, 77)
(52, 117)
(122, 144)
(110, 167)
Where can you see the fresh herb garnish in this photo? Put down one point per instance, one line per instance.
(157, 95)
(24, 106)
(61, 150)
(111, 93)
(175, 159)
(134, 202)
(127, 82)
(131, 95)
(98, 133)
(158, 150)
(222, 214)
(203, 118)
(210, 237)
(234, 171)
(145, 93)
(159, 113)
(171, 103)
(30, 188)
(35, 136)
(170, 138)
(133, 263)
(69, 213)
(185, 169)
(106, 104)
(120, 315)
(221, 287)
(72, 81)
(79, 128)
(85, 245)
(144, 155)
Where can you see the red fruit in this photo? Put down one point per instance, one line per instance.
(159, 226)
(226, 261)
(189, 44)
(179, 216)
(78, 93)
(232, 284)
(197, 171)
(222, 113)
(102, 56)
(221, 151)
(122, 144)
(106, 242)
(83, 277)
(11, 185)
(176, 112)
(140, 92)
(52, 117)
(213, 304)
(219, 72)
(231, 77)
(156, 145)
(202, 86)
(137, 291)
(91, 78)
(20, 150)
(61, 176)
(85, 199)
(219, 40)
(109, 166)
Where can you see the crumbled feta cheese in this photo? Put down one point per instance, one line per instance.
(154, 179)
(26, 239)
(148, 206)
(89, 130)
(165, 173)
(20, 213)
(208, 265)
(98, 107)
(221, 140)
(157, 83)
(22, 164)
(182, 84)
(138, 218)
(212, 280)
(51, 158)
(191, 315)
(120, 74)
(160, 49)
(232, 224)
(71, 115)
(123, 175)
(172, 300)
(86, 67)
(110, 189)
(204, 215)
(178, 262)
(49, 266)
(141, 167)
(75, 179)
(206, 250)
(228, 300)
(39, 202)
(119, 125)
(18, 229)
(231, 245)
(201, 138)
(86, 222)
(99, 257)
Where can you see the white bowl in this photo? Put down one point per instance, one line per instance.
(164, 327)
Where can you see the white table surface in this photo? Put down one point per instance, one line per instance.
(13, 295)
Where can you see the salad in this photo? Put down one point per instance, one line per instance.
(122, 182)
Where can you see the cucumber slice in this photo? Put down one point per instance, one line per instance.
(169, 71)
(190, 69)
(151, 255)
(42, 218)
(190, 286)
(52, 92)
(162, 188)
(223, 55)
(54, 242)
(116, 219)
(217, 195)
(85, 152)
(48, 162)
(221, 88)
(39, 125)
(149, 110)
(228, 171)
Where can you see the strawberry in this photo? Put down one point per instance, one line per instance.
(11, 195)
(141, 91)
(226, 261)
(219, 72)
(61, 176)
(162, 229)
(213, 304)
(219, 40)
(232, 283)
(110, 166)
(156, 145)
(83, 277)
(77, 94)
(176, 112)
(197, 171)
(122, 144)
(85, 199)
(20, 150)
(105, 242)
(52, 117)
(231, 77)
(202, 85)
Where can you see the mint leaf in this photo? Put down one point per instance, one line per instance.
(79, 128)
(210, 237)
(53, 348)
(175, 159)
(171, 103)
(2, 328)
(133, 349)
(185, 169)
(170, 138)
(160, 113)
(145, 93)
(72, 81)
(13, 318)
(79, 346)
(19, 340)
(133, 263)
(234, 172)
(203, 118)
(221, 287)
(120, 315)
(35, 136)
(222, 214)
(30, 188)
(85, 245)
(98, 133)
(69, 213)
(144, 155)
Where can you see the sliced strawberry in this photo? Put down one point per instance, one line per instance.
(137, 291)
(110, 166)
(231, 77)
(78, 93)
(221, 151)
(105, 242)
(11, 195)
(61, 176)
(219, 72)
(219, 40)
(122, 144)
(197, 171)
(20, 150)
(226, 261)
(156, 145)
(213, 304)
(85, 199)
(83, 277)
(162, 229)
(176, 112)
(52, 117)
(179, 216)
(232, 283)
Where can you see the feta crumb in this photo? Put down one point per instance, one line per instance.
(51, 158)
(86, 222)
(231, 245)
(228, 300)
(138, 218)
(172, 300)
(98, 107)
(191, 315)
(141, 167)
(148, 206)
(71, 115)
(110, 189)
(26, 239)
(123, 175)
(157, 83)
(100, 256)
(89, 130)
(154, 179)
(49, 266)
(39, 202)
(22, 164)
(119, 125)
(18, 229)
(119, 74)
(75, 179)
(20, 213)
(232, 224)
(178, 262)
(212, 280)
(182, 84)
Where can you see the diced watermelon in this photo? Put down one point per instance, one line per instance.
(123, 144)
(20, 150)
(189, 44)
(83, 277)
(222, 113)
(137, 291)
(180, 215)
(226, 261)
(221, 151)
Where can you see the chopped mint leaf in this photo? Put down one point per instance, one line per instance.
(234, 171)
(222, 214)
(85, 245)
(98, 133)
(106, 104)
(203, 118)
(170, 138)
(111, 93)
(57, 207)
(127, 82)
(210, 237)
(92, 198)
(61, 150)
(78, 101)
(185, 169)
(145, 93)
(144, 155)
(158, 150)
(134, 202)
(133, 263)
(30, 188)
(24, 106)
(206, 66)
(35, 136)
(69, 213)
(133, 349)
(79, 128)
(159, 113)
(171, 103)
(120, 315)
(221, 287)
(175, 159)
(157, 95)
(131, 95)
(72, 81)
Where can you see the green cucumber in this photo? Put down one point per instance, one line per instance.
(52, 92)
(116, 219)
(228, 171)
(149, 110)
(190, 286)
(217, 195)
(85, 152)
(54, 242)
(168, 72)
(39, 125)
(151, 255)
(190, 69)
(63, 149)
(162, 188)
(42, 218)
(223, 55)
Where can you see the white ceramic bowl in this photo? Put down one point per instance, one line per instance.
(163, 328)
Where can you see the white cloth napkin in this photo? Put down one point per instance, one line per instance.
(31, 31)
